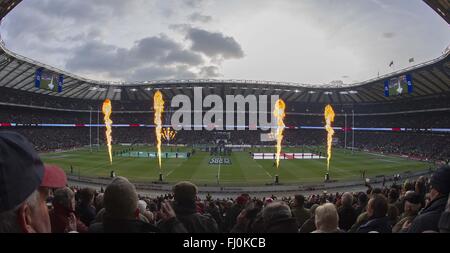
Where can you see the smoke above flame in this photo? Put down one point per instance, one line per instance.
(107, 110)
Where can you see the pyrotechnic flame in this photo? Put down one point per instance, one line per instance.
(329, 118)
(107, 110)
(279, 114)
(168, 134)
(158, 105)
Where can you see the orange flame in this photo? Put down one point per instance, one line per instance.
(329, 118)
(168, 134)
(279, 114)
(158, 105)
(107, 110)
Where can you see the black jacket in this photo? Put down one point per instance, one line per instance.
(380, 225)
(347, 217)
(132, 226)
(444, 222)
(428, 218)
(193, 221)
(282, 225)
(87, 213)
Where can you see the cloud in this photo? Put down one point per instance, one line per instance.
(194, 3)
(214, 44)
(388, 35)
(209, 72)
(198, 17)
(162, 72)
(150, 58)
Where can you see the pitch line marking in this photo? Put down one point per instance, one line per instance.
(170, 172)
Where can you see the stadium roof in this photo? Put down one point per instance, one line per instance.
(442, 7)
(429, 78)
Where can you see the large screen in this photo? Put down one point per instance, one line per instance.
(397, 86)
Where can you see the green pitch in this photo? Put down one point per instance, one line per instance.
(241, 169)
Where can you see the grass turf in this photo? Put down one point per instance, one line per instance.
(243, 170)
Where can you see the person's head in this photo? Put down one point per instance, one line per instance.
(413, 203)
(275, 211)
(120, 199)
(327, 218)
(362, 199)
(420, 185)
(376, 191)
(142, 205)
(64, 197)
(241, 200)
(185, 193)
(347, 199)
(393, 195)
(408, 186)
(24, 186)
(299, 200)
(377, 206)
(87, 196)
(440, 182)
(312, 210)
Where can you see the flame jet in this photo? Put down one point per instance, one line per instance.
(279, 113)
(107, 110)
(168, 134)
(158, 106)
(329, 118)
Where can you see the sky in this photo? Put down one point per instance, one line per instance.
(302, 41)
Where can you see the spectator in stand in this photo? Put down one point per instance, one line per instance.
(347, 214)
(214, 211)
(85, 209)
(393, 211)
(234, 211)
(277, 218)
(428, 218)
(25, 184)
(122, 213)
(144, 214)
(413, 204)
(185, 195)
(362, 203)
(310, 224)
(376, 213)
(62, 217)
(327, 219)
(444, 222)
(299, 211)
(98, 202)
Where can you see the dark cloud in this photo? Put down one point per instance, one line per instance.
(194, 3)
(214, 44)
(149, 58)
(183, 56)
(198, 17)
(388, 35)
(209, 72)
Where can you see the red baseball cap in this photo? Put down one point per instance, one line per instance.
(54, 177)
